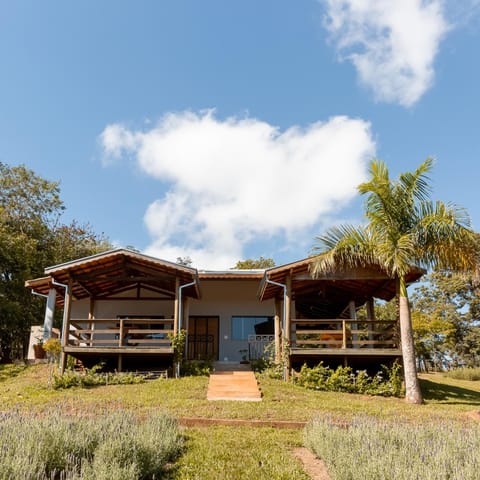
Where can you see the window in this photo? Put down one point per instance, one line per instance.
(242, 327)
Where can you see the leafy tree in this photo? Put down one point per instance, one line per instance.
(72, 241)
(31, 238)
(383, 310)
(251, 264)
(404, 228)
(446, 320)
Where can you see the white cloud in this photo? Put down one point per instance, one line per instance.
(116, 140)
(392, 44)
(234, 180)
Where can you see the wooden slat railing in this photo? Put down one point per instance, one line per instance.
(121, 332)
(345, 333)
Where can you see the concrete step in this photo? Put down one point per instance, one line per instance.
(233, 385)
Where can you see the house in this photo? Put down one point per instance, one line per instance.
(121, 307)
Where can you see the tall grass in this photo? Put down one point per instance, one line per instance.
(114, 446)
(472, 374)
(369, 448)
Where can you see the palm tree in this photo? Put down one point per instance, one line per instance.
(404, 229)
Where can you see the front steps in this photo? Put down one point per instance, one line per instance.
(233, 382)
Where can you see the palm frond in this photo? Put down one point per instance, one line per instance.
(444, 236)
(343, 246)
(416, 185)
(397, 254)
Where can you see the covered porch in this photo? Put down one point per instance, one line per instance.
(119, 307)
(332, 318)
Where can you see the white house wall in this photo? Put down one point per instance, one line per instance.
(111, 308)
(227, 298)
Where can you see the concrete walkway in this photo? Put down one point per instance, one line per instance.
(233, 382)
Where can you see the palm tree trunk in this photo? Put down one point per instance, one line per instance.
(413, 394)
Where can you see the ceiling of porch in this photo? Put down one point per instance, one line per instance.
(117, 271)
(328, 295)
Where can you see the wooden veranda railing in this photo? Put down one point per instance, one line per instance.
(121, 332)
(345, 334)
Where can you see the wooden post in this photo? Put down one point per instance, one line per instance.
(288, 308)
(293, 326)
(175, 306)
(67, 307)
(353, 316)
(91, 308)
(278, 332)
(120, 333)
(344, 334)
(91, 316)
(370, 317)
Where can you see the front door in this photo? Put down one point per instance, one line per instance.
(202, 338)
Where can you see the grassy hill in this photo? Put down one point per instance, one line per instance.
(237, 451)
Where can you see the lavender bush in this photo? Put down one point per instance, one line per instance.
(114, 446)
(369, 448)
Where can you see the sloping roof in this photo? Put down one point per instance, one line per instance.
(232, 274)
(116, 271)
(359, 283)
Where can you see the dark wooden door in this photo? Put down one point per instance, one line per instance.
(203, 338)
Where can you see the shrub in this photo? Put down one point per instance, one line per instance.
(369, 448)
(196, 368)
(266, 365)
(53, 348)
(386, 383)
(91, 378)
(113, 446)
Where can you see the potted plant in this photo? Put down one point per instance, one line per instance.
(38, 350)
(243, 352)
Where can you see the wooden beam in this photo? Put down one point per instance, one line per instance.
(87, 290)
(66, 325)
(120, 299)
(343, 275)
(110, 351)
(126, 288)
(288, 308)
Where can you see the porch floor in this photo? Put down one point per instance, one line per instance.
(233, 382)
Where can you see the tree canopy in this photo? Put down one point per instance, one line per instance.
(31, 238)
(446, 320)
(251, 264)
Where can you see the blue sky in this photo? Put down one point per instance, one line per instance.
(227, 130)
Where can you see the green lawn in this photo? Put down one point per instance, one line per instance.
(186, 397)
(237, 452)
